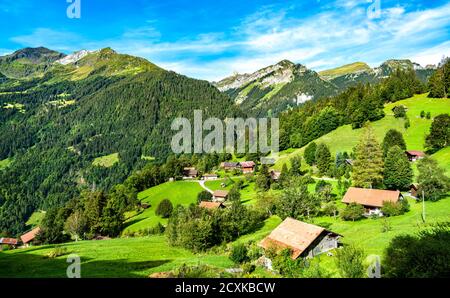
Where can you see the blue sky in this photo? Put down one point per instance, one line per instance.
(212, 39)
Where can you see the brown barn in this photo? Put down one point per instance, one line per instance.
(414, 155)
(190, 173)
(11, 242)
(247, 166)
(413, 188)
(220, 195)
(305, 240)
(211, 205)
(371, 199)
(207, 177)
(29, 237)
(227, 166)
(275, 175)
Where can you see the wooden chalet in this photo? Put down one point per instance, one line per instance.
(303, 239)
(28, 238)
(371, 199)
(414, 155)
(220, 195)
(10, 242)
(247, 166)
(190, 173)
(208, 177)
(211, 205)
(227, 166)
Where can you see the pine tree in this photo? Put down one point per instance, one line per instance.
(310, 153)
(263, 179)
(439, 136)
(296, 164)
(393, 138)
(432, 180)
(398, 173)
(368, 164)
(323, 159)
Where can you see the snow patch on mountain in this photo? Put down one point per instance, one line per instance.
(72, 58)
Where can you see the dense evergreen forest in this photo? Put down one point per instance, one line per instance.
(52, 129)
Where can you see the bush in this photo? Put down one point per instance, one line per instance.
(399, 111)
(392, 208)
(352, 212)
(349, 261)
(425, 255)
(330, 209)
(204, 196)
(57, 252)
(239, 254)
(248, 268)
(164, 208)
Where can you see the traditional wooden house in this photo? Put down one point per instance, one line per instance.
(247, 166)
(208, 177)
(228, 166)
(190, 173)
(413, 188)
(275, 175)
(220, 195)
(414, 155)
(303, 239)
(10, 242)
(211, 205)
(29, 237)
(371, 199)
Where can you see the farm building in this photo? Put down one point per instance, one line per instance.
(211, 205)
(414, 155)
(208, 177)
(304, 240)
(11, 242)
(190, 173)
(247, 166)
(220, 195)
(275, 175)
(229, 165)
(413, 188)
(371, 199)
(29, 237)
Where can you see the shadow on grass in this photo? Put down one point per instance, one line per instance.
(39, 266)
(132, 222)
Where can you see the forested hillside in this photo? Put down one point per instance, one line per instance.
(54, 125)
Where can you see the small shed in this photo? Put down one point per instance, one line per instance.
(220, 195)
(208, 177)
(275, 175)
(211, 205)
(29, 237)
(413, 188)
(414, 155)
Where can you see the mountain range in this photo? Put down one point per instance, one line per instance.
(284, 85)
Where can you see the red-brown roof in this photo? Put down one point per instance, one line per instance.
(30, 235)
(8, 241)
(370, 197)
(275, 175)
(220, 193)
(210, 205)
(293, 234)
(247, 164)
(415, 153)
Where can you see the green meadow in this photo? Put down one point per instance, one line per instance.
(106, 161)
(178, 192)
(139, 257)
(345, 138)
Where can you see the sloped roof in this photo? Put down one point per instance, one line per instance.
(229, 164)
(293, 234)
(370, 197)
(8, 241)
(247, 164)
(30, 235)
(210, 205)
(190, 171)
(220, 193)
(415, 153)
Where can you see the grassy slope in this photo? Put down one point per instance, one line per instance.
(178, 192)
(248, 193)
(346, 69)
(345, 138)
(106, 161)
(132, 257)
(4, 163)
